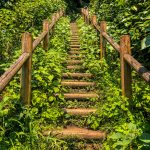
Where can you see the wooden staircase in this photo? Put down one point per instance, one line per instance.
(74, 80)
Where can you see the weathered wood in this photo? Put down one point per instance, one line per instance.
(38, 40)
(77, 75)
(76, 132)
(80, 111)
(46, 38)
(80, 95)
(103, 27)
(125, 67)
(115, 45)
(77, 83)
(27, 46)
(12, 71)
(139, 68)
(94, 20)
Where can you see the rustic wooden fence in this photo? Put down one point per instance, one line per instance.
(126, 59)
(24, 62)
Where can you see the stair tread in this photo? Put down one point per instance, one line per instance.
(77, 83)
(80, 95)
(79, 111)
(76, 132)
(79, 75)
(74, 67)
(74, 61)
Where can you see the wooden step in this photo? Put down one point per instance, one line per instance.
(77, 83)
(74, 46)
(80, 111)
(74, 67)
(74, 52)
(77, 75)
(80, 95)
(74, 57)
(76, 132)
(74, 62)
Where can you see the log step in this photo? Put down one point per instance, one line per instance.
(79, 111)
(80, 95)
(74, 46)
(77, 75)
(77, 83)
(73, 62)
(75, 49)
(74, 52)
(76, 132)
(74, 57)
(74, 67)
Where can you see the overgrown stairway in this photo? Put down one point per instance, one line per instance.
(77, 81)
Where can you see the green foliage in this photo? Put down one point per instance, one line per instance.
(22, 16)
(125, 120)
(21, 127)
(126, 17)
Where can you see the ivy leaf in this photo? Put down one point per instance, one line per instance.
(145, 43)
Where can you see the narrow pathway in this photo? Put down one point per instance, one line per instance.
(77, 81)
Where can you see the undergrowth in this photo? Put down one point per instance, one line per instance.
(21, 127)
(127, 126)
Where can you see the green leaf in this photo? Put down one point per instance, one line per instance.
(145, 43)
(145, 137)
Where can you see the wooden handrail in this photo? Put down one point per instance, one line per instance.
(140, 69)
(11, 72)
(25, 59)
(124, 51)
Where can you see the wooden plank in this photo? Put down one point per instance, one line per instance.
(139, 68)
(12, 71)
(79, 111)
(77, 75)
(27, 46)
(126, 81)
(80, 95)
(77, 83)
(76, 132)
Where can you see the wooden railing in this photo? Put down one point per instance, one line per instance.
(24, 62)
(127, 61)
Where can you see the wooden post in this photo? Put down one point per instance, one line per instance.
(88, 18)
(94, 19)
(103, 27)
(26, 69)
(126, 79)
(46, 38)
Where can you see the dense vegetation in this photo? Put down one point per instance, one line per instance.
(20, 126)
(127, 17)
(126, 121)
(19, 16)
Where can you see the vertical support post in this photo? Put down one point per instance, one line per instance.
(84, 15)
(103, 27)
(26, 69)
(46, 38)
(126, 79)
(94, 20)
(88, 18)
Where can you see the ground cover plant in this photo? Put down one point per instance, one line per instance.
(21, 127)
